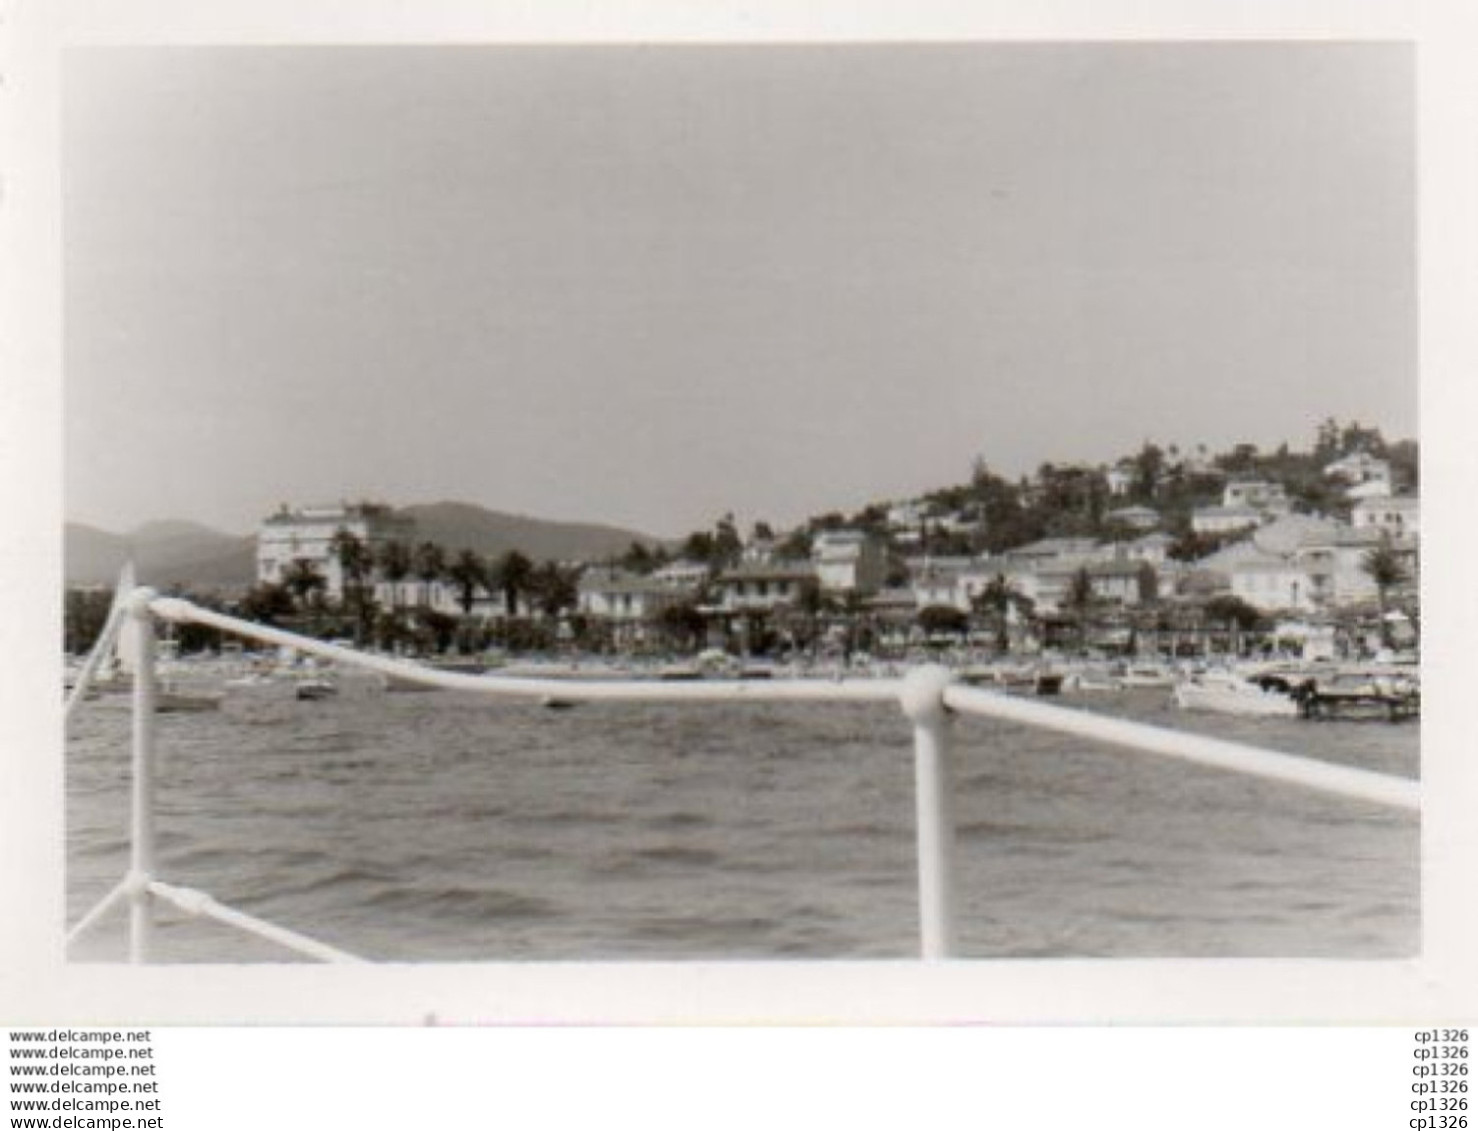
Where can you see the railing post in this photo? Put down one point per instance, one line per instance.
(923, 703)
(141, 863)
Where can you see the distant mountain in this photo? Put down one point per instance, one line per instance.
(188, 554)
(163, 553)
(464, 526)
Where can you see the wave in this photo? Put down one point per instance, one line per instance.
(466, 903)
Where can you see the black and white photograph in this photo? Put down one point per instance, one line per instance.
(748, 529)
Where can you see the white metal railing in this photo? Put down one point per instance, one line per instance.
(928, 696)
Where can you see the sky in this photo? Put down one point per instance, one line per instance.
(651, 285)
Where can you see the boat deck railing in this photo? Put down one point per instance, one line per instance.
(928, 695)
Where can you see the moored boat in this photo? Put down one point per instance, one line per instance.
(1232, 694)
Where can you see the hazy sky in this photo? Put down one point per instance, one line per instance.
(649, 285)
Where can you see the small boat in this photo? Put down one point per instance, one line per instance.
(170, 701)
(1230, 694)
(1090, 680)
(1357, 694)
(1146, 675)
(1049, 683)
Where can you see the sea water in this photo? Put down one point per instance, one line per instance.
(436, 826)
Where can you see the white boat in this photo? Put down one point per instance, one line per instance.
(1146, 675)
(1231, 694)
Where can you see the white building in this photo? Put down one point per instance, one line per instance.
(941, 586)
(1135, 518)
(1119, 478)
(848, 561)
(615, 595)
(306, 534)
(1269, 582)
(757, 588)
(682, 573)
(1152, 548)
(1399, 517)
(1364, 475)
(1256, 494)
(1224, 519)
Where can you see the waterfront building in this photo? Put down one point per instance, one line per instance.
(1122, 583)
(848, 561)
(1273, 582)
(616, 595)
(940, 586)
(764, 587)
(306, 534)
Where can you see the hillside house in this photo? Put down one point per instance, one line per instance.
(1224, 519)
(1134, 518)
(1363, 475)
(1398, 516)
(1256, 494)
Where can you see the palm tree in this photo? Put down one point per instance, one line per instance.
(468, 573)
(1080, 599)
(428, 562)
(998, 599)
(554, 589)
(395, 561)
(513, 573)
(355, 561)
(1384, 567)
(302, 579)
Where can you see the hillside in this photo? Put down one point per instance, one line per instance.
(164, 554)
(459, 526)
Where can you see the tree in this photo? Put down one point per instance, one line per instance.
(355, 561)
(1384, 567)
(682, 624)
(554, 589)
(396, 560)
(85, 613)
(266, 603)
(997, 600)
(428, 562)
(638, 559)
(1079, 600)
(468, 573)
(302, 580)
(511, 575)
(943, 620)
(1235, 615)
(727, 545)
(1149, 465)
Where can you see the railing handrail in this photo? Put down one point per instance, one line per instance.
(929, 696)
(1294, 769)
